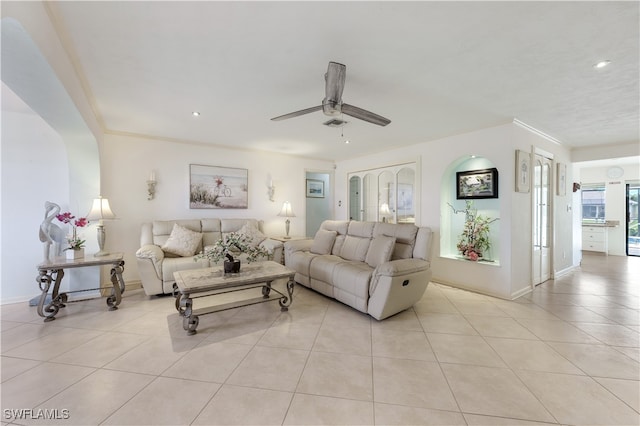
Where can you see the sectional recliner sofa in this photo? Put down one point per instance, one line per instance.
(377, 268)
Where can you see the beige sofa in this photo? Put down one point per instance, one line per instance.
(376, 268)
(157, 265)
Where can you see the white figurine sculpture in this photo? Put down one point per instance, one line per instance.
(51, 233)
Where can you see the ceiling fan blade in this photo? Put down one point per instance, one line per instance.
(297, 113)
(334, 86)
(365, 115)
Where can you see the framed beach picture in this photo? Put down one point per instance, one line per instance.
(215, 187)
(523, 171)
(315, 188)
(475, 184)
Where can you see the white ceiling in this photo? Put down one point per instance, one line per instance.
(434, 68)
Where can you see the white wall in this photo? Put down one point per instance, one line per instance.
(128, 161)
(34, 170)
(615, 201)
(498, 144)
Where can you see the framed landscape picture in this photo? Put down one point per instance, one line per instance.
(215, 187)
(315, 188)
(475, 184)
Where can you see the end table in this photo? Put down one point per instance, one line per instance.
(53, 271)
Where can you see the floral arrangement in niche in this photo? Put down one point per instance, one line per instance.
(75, 242)
(230, 244)
(474, 242)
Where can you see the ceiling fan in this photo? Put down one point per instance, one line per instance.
(332, 104)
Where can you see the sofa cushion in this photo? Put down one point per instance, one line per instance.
(253, 234)
(323, 242)
(405, 235)
(380, 250)
(355, 248)
(182, 241)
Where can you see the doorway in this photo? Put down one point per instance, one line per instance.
(319, 202)
(542, 218)
(633, 232)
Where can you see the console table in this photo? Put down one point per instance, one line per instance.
(52, 271)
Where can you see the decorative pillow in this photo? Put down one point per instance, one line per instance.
(182, 241)
(253, 233)
(323, 242)
(355, 248)
(380, 250)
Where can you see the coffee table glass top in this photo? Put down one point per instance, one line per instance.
(194, 279)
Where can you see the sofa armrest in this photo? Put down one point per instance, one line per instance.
(401, 267)
(298, 245)
(397, 285)
(149, 258)
(275, 249)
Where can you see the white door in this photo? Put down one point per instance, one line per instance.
(542, 220)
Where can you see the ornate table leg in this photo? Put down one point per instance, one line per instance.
(189, 321)
(285, 302)
(118, 286)
(266, 289)
(44, 279)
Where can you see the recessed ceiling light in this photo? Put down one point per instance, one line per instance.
(195, 114)
(601, 64)
(347, 141)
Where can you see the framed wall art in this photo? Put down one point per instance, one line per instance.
(523, 171)
(315, 188)
(562, 179)
(215, 187)
(475, 184)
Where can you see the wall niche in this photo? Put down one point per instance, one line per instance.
(452, 211)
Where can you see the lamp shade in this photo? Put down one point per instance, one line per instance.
(100, 210)
(286, 210)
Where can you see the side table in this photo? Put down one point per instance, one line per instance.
(285, 239)
(53, 271)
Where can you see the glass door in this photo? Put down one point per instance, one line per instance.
(633, 233)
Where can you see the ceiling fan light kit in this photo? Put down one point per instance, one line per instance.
(332, 104)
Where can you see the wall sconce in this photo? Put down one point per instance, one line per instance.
(151, 185)
(272, 190)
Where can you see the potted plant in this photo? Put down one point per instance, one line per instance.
(230, 244)
(474, 242)
(76, 243)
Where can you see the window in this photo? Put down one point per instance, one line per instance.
(593, 203)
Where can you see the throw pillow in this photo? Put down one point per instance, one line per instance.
(380, 250)
(182, 241)
(323, 242)
(355, 248)
(254, 235)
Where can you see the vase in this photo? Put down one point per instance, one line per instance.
(74, 254)
(231, 266)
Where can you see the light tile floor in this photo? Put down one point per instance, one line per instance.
(568, 353)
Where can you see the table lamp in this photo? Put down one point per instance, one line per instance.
(287, 212)
(100, 211)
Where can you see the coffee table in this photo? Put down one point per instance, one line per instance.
(196, 283)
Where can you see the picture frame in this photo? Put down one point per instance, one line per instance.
(523, 171)
(477, 184)
(217, 187)
(315, 188)
(561, 182)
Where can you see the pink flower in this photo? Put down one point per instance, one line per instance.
(82, 222)
(473, 256)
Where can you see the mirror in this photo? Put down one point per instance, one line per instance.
(387, 194)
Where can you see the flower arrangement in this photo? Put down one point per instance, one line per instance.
(75, 242)
(474, 241)
(234, 242)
